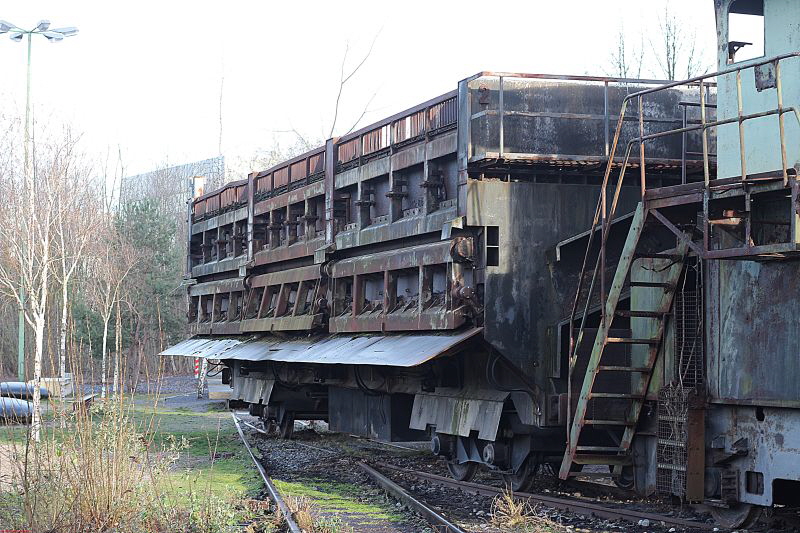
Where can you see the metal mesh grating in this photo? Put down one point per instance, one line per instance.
(673, 408)
(689, 356)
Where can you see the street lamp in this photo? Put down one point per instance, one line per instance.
(16, 34)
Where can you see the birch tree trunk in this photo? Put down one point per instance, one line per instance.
(117, 349)
(103, 372)
(36, 420)
(62, 334)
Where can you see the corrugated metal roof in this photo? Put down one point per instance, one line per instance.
(403, 349)
(203, 347)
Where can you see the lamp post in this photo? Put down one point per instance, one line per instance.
(17, 34)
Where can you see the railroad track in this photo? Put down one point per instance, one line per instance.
(438, 523)
(376, 471)
(584, 508)
(274, 495)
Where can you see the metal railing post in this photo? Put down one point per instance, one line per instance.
(501, 109)
(605, 116)
(740, 108)
(642, 173)
(683, 146)
(779, 96)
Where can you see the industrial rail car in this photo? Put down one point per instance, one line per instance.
(399, 282)
(431, 276)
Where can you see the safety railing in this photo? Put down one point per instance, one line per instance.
(604, 213)
(405, 127)
(230, 195)
(295, 172)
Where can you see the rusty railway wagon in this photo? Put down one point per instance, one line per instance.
(431, 276)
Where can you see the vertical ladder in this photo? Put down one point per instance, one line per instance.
(640, 373)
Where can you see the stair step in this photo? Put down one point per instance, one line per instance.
(638, 369)
(605, 475)
(609, 449)
(600, 459)
(627, 340)
(653, 284)
(671, 257)
(624, 395)
(640, 314)
(597, 422)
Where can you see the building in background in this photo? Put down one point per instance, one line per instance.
(173, 186)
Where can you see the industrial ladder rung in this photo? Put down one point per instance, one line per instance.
(620, 395)
(639, 314)
(629, 340)
(653, 284)
(630, 369)
(596, 422)
(602, 459)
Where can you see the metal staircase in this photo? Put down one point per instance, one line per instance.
(628, 405)
(691, 204)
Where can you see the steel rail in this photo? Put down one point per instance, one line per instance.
(273, 492)
(439, 523)
(587, 509)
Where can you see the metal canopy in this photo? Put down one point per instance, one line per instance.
(212, 348)
(404, 350)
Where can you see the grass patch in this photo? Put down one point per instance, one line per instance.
(341, 498)
(222, 478)
(130, 465)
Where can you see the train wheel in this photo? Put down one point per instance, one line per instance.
(286, 427)
(462, 472)
(735, 516)
(522, 479)
(271, 427)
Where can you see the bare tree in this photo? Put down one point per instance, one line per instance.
(27, 233)
(109, 264)
(80, 209)
(674, 50)
(346, 77)
(626, 60)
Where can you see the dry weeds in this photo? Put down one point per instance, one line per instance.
(511, 514)
(309, 519)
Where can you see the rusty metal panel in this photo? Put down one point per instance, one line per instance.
(281, 177)
(316, 163)
(521, 291)
(252, 389)
(286, 276)
(403, 350)
(375, 140)
(383, 417)
(428, 254)
(211, 287)
(753, 331)
(459, 412)
(695, 449)
(286, 323)
(297, 171)
(264, 184)
(567, 119)
(409, 127)
(347, 151)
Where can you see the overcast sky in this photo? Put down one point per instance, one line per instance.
(145, 76)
